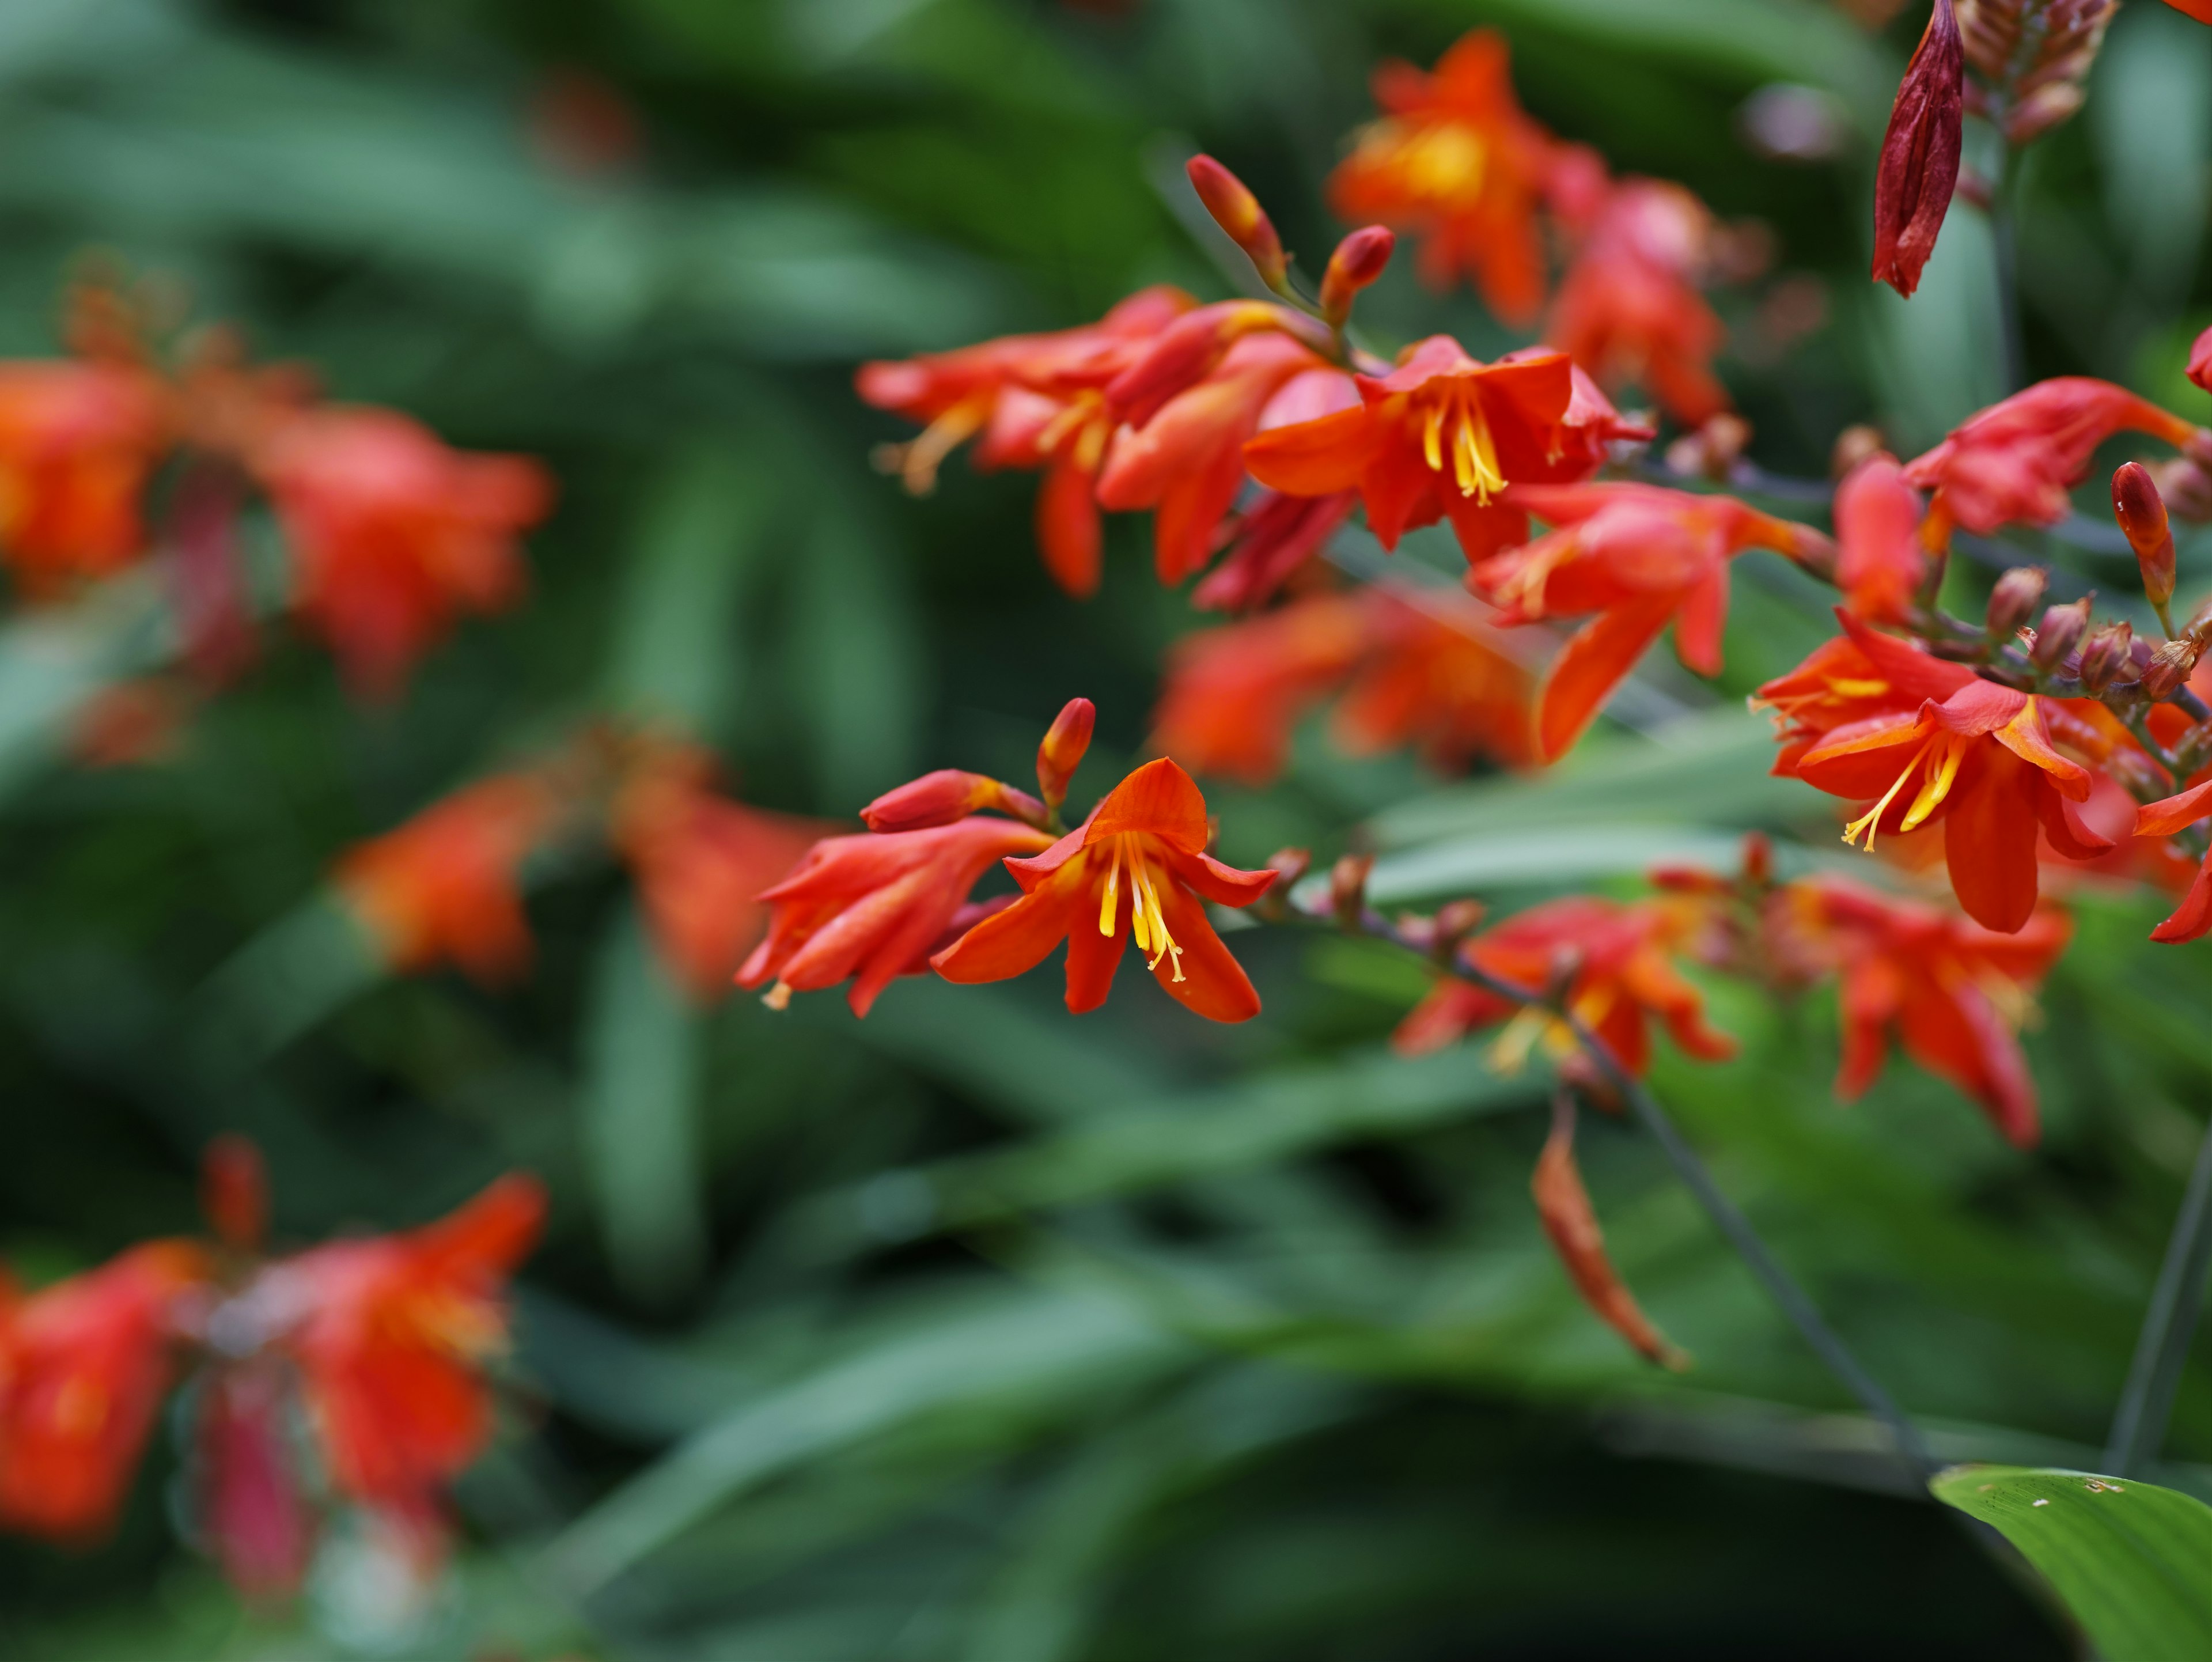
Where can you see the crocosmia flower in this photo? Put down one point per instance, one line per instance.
(1621, 977)
(1137, 869)
(2192, 918)
(445, 887)
(872, 908)
(1639, 557)
(394, 535)
(1441, 436)
(1880, 561)
(1924, 741)
(83, 1365)
(1954, 994)
(78, 442)
(1629, 309)
(1455, 160)
(1037, 401)
(392, 1334)
(2014, 462)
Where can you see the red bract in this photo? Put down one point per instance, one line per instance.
(1038, 401)
(701, 861)
(1187, 461)
(2015, 461)
(1455, 160)
(1629, 310)
(1443, 436)
(1639, 557)
(444, 886)
(394, 535)
(1954, 994)
(1136, 869)
(872, 908)
(391, 1335)
(83, 1365)
(1866, 723)
(1880, 562)
(78, 442)
(1919, 166)
(1619, 976)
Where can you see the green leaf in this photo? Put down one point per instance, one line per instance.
(2132, 1560)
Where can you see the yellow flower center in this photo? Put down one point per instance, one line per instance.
(1146, 921)
(1939, 754)
(1473, 454)
(1444, 162)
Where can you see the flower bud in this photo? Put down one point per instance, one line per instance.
(2062, 627)
(1289, 865)
(1238, 211)
(1919, 164)
(1347, 888)
(2200, 360)
(2014, 600)
(2169, 668)
(940, 798)
(2186, 486)
(235, 1193)
(1713, 450)
(1062, 750)
(2142, 514)
(1855, 445)
(1455, 920)
(1758, 859)
(1357, 261)
(2105, 655)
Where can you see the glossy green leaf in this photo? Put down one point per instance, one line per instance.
(2132, 1560)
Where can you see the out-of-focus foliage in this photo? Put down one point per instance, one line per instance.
(973, 1331)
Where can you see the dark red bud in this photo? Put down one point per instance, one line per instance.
(1238, 211)
(1347, 888)
(2109, 650)
(235, 1193)
(1919, 165)
(2062, 626)
(1455, 920)
(2142, 514)
(2014, 600)
(1758, 859)
(2169, 669)
(1357, 261)
(1062, 750)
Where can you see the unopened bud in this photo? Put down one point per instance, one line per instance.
(2062, 626)
(2142, 514)
(1357, 261)
(1855, 445)
(2136, 774)
(2186, 486)
(235, 1193)
(2105, 655)
(2169, 668)
(1758, 859)
(1347, 888)
(1566, 966)
(940, 798)
(2199, 626)
(1238, 211)
(1455, 920)
(1062, 749)
(1289, 865)
(1713, 450)
(2014, 600)
(2200, 360)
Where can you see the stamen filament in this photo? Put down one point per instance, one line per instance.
(1938, 785)
(1112, 892)
(1864, 825)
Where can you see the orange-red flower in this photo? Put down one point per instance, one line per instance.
(1136, 869)
(1639, 557)
(393, 533)
(1617, 959)
(2192, 918)
(83, 1365)
(444, 886)
(2015, 461)
(1454, 159)
(1187, 461)
(78, 442)
(1954, 994)
(1038, 401)
(872, 908)
(391, 1335)
(1266, 544)
(1232, 695)
(1435, 675)
(1443, 436)
(1629, 309)
(1879, 562)
(1979, 756)
(701, 861)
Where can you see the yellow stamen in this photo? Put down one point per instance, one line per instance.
(1112, 892)
(1851, 688)
(1864, 825)
(916, 462)
(1509, 1052)
(1475, 457)
(1938, 784)
(1432, 450)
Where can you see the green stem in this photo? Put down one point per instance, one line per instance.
(2162, 1347)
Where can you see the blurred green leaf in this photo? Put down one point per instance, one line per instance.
(2132, 1560)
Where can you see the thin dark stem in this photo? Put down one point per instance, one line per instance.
(1792, 1299)
(2162, 1347)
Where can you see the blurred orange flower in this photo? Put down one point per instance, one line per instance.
(78, 442)
(1454, 159)
(444, 887)
(393, 533)
(83, 1365)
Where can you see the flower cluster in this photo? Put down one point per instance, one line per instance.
(392, 534)
(348, 1377)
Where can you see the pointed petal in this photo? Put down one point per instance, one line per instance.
(1068, 530)
(1563, 1204)
(1214, 984)
(1016, 941)
(1699, 625)
(1589, 668)
(1158, 800)
(1093, 956)
(1315, 458)
(2070, 834)
(2193, 916)
(1989, 845)
(1224, 884)
(2173, 814)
